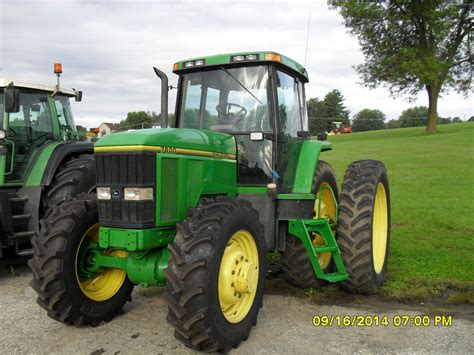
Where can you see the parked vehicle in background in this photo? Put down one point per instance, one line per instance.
(42, 161)
(339, 128)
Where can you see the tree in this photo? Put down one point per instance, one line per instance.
(413, 116)
(334, 108)
(318, 123)
(171, 119)
(471, 119)
(368, 120)
(456, 120)
(82, 132)
(444, 120)
(393, 124)
(139, 119)
(410, 45)
(321, 113)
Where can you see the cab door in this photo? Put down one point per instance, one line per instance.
(26, 132)
(291, 113)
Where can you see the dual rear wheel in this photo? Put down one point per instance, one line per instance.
(362, 230)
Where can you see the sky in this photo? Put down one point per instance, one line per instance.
(108, 49)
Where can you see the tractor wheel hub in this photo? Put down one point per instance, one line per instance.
(246, 278)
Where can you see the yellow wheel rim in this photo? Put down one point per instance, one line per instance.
(328, 211)
(238, 276)
(379, 228)
(106, 283)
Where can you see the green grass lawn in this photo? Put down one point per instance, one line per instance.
(432, 195)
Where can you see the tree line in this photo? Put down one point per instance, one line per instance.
(323, 113)
(143, 119)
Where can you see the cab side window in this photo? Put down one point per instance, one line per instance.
(34, 117)
(290, 114)
(28, 129)
(289, 104)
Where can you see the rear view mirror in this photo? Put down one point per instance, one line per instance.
(322, 137)
(78, 97)
(12, 99)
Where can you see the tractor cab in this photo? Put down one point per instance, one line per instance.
(42, 161)
(199, 205)
(32, 116)
(258, 98)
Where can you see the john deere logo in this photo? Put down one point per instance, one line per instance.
(115, 193)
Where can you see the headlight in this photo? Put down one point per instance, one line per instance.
(103, 193)
(138, 193)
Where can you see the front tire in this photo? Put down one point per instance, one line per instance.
(63, 290)
(363, 231)
(216, 274)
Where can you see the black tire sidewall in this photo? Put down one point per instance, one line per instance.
(82, 172)
(379, 278)
(236, 331)
(80, 302)
(325, 174)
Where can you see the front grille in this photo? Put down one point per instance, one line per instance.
(118, 171)
(169, 189)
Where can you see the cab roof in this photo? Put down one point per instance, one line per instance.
(18, 84)
(241, 58)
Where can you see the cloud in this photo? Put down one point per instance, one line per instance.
(108, 49)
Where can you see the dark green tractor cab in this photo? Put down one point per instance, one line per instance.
(42, 161)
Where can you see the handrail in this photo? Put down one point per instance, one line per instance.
(13, 156)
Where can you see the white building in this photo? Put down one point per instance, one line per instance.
(106, 128)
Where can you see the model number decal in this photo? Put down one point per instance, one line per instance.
(168, 150)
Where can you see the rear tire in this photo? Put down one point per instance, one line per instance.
(363, 231)
(295, 261)
(73, 177)
(199, 278)
(55, 270)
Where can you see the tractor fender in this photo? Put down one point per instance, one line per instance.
(62, 153)
(307, 162)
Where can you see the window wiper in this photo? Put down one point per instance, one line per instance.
(242, 85)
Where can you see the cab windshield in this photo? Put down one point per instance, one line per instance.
(226, 100)
(63, 109)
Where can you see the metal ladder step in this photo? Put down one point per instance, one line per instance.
(336, 276)
(21, 216)
(326, 249)
(18, 199)
(304, 229)
(24, 252)
(24, 234)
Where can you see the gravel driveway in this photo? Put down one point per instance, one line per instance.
(285, 325)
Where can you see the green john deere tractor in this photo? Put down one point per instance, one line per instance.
(197, 207)
(42, 161)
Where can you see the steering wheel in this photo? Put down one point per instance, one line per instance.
(224, 109)
(11, 132)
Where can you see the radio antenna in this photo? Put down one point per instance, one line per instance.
(307, 39)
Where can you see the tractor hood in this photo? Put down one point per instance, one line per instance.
(170, 141)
